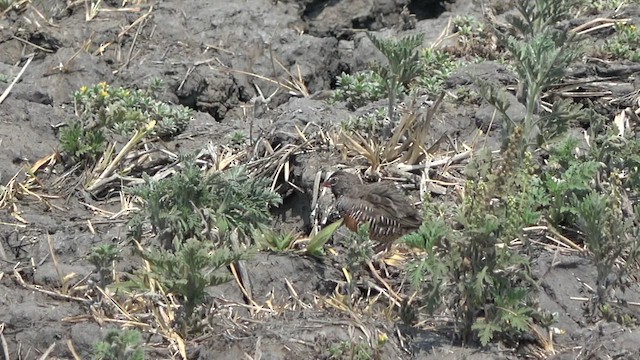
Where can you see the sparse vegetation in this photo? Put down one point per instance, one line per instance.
(371, 123)
(102, 257)
(200, 220)
(474, 39)
(438, 65)
(102, 109)
(625, 44)
(403, 65)
(125, 110)
(353, 350)
(471, 262)
(189, 270)
(503, 213)
(360, 89)
(119, 345)
(541, 56)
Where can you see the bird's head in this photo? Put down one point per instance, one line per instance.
(341, 182)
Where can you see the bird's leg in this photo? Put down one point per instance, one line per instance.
(381, 250)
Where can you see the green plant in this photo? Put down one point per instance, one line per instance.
(403, 65)
(625, 44)
(198, 218)
(360, 89)
(102, 257)
(541, 55)
(315, 247)
(124, 110)
(473, 40)
(119, 345)
(469, 263)
(593, 7)
(81, 143)
(352, 350)
(609, 234)
(589, 192)
(567, 176)
(238, 138)
(275, 240)
(437, 67)
(6, 4)
(192, 204)
(359, 248)
(190, 269)
(371, 124)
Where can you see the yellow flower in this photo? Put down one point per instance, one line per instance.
(382, 338)
(104, 93)
(103, 85)
(83, 89)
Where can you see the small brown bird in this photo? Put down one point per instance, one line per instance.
(389, 213)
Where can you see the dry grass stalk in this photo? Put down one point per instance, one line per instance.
(406, 144)
(6, 91)
(99, 182)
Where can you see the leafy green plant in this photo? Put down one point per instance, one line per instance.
(567, 176)
(625, 44)
(238, 138)
(315, 247)
(190, 269)
(119, 345)
(469, 262)
(104, 110)
(610, 236)
(275, 240)
(81, 143)
(192, 204)
(590, 193)
(371, 123)
(353, 350)
(198, 218)
(360, 89)
(125, 110)
(437, 67)
(102, 257)
(473, 39)
(403, 65)
(541, 54)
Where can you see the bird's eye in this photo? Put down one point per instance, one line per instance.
(333, 181)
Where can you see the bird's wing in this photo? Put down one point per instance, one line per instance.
(387, 209)
(390, 202)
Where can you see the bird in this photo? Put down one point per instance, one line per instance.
(388, 212)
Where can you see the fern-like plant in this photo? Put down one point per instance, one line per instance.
(541, 53)
(192, 204)
(469, 263)
(190, 269)
(196, 217)
(403, 64)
